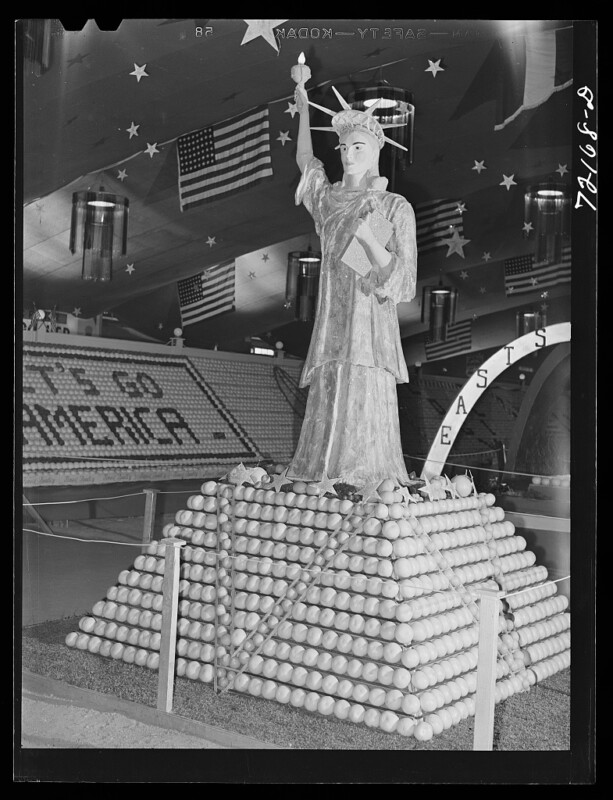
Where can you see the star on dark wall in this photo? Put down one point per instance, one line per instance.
(78, 59)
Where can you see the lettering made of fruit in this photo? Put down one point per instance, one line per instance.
(85, 416)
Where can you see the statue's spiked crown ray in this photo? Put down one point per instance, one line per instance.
(350, 119)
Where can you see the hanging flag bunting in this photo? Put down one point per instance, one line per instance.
(459, 339)
(435, 221)
(208, 293)
(536, 66)
(521, 275)
(225, 158)
(520, 73)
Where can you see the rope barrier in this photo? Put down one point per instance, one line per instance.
(481, 469)
(527, 589)
(85, 500)
(87, 541)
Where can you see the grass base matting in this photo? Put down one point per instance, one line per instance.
(44, 652)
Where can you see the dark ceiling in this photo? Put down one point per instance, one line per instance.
(77, 111)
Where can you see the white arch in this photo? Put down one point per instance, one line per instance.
(479, 382)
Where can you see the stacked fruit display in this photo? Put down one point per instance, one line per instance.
(367, 611)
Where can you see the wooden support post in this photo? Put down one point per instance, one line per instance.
(170, 607)
(149, 516)
(489, 611)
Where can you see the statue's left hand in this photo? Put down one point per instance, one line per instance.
(362, 230)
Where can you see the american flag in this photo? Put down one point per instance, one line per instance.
(435, 221)
(459, 339)
(221, 160)
(522, 275)
(207, 294)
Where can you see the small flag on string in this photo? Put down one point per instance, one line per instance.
(208, 293)
(522, 275)
(459, 339)
(225, 158)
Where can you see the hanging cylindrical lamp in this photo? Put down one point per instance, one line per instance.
(395, 108)
(302, 283)
(438, 309)
(547, 210)
(98, 230)
(528, 321)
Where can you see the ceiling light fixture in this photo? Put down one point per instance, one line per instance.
(528, 321)
(547, 208)
(302, 283)
(438, 309)
(98, 230)
(395, 108)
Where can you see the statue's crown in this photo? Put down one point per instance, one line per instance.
(354, 120)
(350, 119)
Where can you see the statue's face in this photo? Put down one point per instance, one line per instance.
(359, 152)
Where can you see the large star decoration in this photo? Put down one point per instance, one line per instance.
(280, 479)
(133, 130)
(461, 207)
(251, 275)
(211, 241)
(76, 312)
(507, 180)
(139, 72)
(122, 175)
(434, 67)
(130, 268)
(482, 290)
(479, 165)
(292, 109)
(486, 256)
(427, 489)
(78, 59)
(463, 274)
(562, 169)
(326, 484)
(455, 243)
(241, 474)
(407, 496)
(265, 256)
(263, 28)
(527, 227)
(151, 149)
(370, 492)
(284, 137)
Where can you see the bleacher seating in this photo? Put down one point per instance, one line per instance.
(424, 402)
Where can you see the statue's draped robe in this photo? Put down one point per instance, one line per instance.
(351, 430)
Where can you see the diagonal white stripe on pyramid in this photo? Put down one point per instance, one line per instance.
(363, 611)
